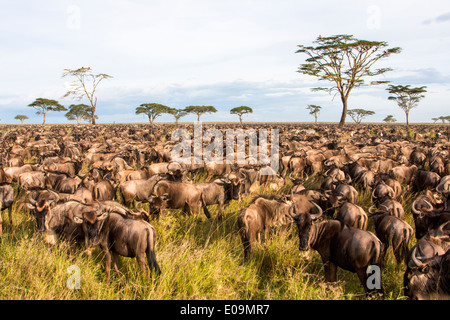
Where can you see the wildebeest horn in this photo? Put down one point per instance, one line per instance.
(385, 208)
(417, 262)
(291, 211)
(370, 209)
(429, 205)
(31, 200)
(315, 216)
(442, 226)
(307, 177)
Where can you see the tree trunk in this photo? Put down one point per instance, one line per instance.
(407, 118)
(198, 117)
(315, 117)
(344, 111)
(45, 116)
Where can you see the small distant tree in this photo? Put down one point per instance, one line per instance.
(442, 118)
(314, 110)
(80, 112)
(240, 111)
(44, 106)
(152, 110)
(85, 85)
(406, 97)
(21, 117)
(390, 119)
(200, 110)
(358, 114)
(177, 113)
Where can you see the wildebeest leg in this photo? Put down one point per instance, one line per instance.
(1, 220)
(330, 271)
(116, 261)
(107, 261)
(10, 215)
(142, 263)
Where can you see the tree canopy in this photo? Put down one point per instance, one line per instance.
(80, 112)
(21, 117)
(200, 110)
(344, 61)
(240, 111)
(358, 114)
(406, 97)
(85, 85)
(152, 110)
(177, 113)
(390, 119)
(44, 106)
(314, 110)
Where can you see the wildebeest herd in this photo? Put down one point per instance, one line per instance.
(89, 185)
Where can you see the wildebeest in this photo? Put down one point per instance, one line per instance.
(428, 279)
(6, 202)
(341, 246)
(394, 232)
(120, 235)
(180, 195)
(258, 216)
(220, 191)
(352, 215)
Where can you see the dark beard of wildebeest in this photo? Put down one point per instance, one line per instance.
(339, 246)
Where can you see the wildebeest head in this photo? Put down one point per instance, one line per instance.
(304, 221)
(427, 278)
(92, 220)
(156, 204)
(40, 210)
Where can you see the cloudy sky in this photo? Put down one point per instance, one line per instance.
(210, 52)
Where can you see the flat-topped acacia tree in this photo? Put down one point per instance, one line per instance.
(44, 106)
(200, 110)
(346, 62)
(240, 111)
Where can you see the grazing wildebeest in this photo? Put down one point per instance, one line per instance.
(6, 202)
(341, 246)
(427, 219)
(261, 214)
(394, 232)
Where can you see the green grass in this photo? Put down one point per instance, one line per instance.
(199, 259)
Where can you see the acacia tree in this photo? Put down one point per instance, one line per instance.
(80, 112)
(442, 118)
(358, 114)
(200, 110)
(390, 119)
(21, 117)
(406, 97)
(240, 111)
(314, 110)
(44, 106)
(85, 85)
(177, 113)
(346, 62)
(152, 110)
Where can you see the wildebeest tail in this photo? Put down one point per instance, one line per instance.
(151, 256)
(244, 233)
(205, 208)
